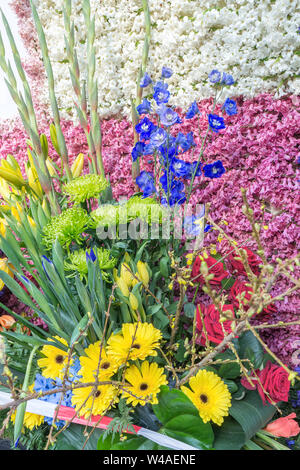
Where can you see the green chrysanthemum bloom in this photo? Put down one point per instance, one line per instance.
(105, 215)
(85, 187)
(78, 264)
(145, 208)
(66, 227)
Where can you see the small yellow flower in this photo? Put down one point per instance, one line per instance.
(31, 420)
(7, 268)
(88, 401)
(54, 361)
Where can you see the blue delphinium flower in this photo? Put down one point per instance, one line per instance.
(230, 107)
(145, 81)
(145, 127)
(145, 182)
(172, 188)
(214, 170)
(149, 149)
(168, 117)
(161, 93)
(216, 122)
(214, 76)
(290, 443)
(137, 150)
(192, 111)
(227, 79)
(197, 166)
(185, 142)
(180, 168)
(166, 72)
(158, 138)
(144, 107)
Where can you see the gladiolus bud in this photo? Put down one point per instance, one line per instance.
(123, 287)
(126, 274)
(4, 189)
(7, 268)
(31, 221)
(51, 168)
(34, 182)
(6, 321)
(11, 176)
(133, 301)
(77, 167)
(143, 272)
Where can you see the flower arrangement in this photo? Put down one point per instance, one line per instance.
(145, 318)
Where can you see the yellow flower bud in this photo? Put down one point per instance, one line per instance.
(123, 287)
(126, 275)
(51, 169)
(77, 167)
(133, 301)
(11, 176)
(15, 214)
(143, 272)
(31, 221)
(34, 183)
(4, 189)
(7, 268)
(3, 228)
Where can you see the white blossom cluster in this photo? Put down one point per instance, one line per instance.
(256, 41)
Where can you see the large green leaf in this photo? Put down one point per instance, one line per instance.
(73, 438)
(131, 443)
(251, 413)
(181, 420)
(250, 348)
(229, 436)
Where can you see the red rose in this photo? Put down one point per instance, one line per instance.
(274, 380)
(211, 318)
(253, 260)
(236, 290)
(217, 270)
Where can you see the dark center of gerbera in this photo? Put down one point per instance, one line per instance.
(203, 398)
(143, 387)
(59, 359)
(97, 394)
(105, 365)
(136, 346)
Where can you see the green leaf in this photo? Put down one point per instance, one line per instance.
(251, 413)
(229, 371)
(181, 420)
(229, 436)
(191, 430)
(232, 386)
(79, 328)
(164, 267)
(73, 438)
(189, 310)
(249, 344)
(228, 283)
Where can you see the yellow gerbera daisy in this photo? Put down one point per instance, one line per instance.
(144, 384)
(210, 395)
(87, 401)
(89, 363)
(54, 361)
(31, 420)
(136, 341)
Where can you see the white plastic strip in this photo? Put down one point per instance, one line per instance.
(164, 440)
(38, 407)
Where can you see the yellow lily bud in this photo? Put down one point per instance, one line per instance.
(31, 221)
(143, 272)
(15, 214)
(34, 183)
(11, 176)
(45, 207)
(7, 268)
(133, 301)
(3, 228)
(123, 287)
(14, 164)
(51, 168)
(77, 166)
(4, 189)
(126, 275)
(135, 281)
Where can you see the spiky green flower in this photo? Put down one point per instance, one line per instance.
(85, 187)
(78, 264)
(145, 208)
(66, 227)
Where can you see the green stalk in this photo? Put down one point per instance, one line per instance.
(53, 101)
(92, 86)
(21, 409)
(139, 93)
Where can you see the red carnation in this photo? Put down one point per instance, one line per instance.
(216, 268)
(237, 263)
(213, 327)
(274, 380)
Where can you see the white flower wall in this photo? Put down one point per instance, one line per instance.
(257, 41)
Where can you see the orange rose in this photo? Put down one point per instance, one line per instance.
(284, 427)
